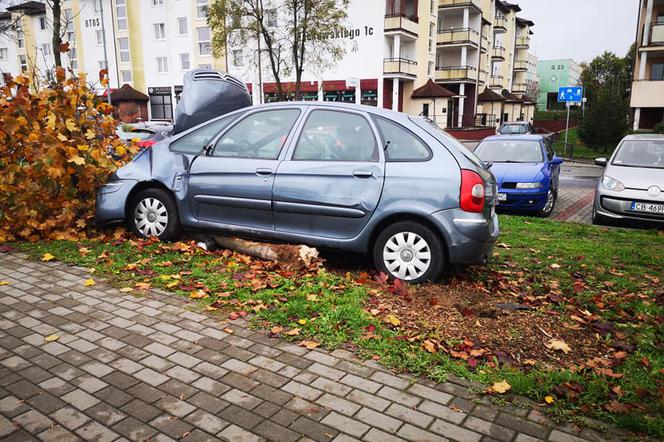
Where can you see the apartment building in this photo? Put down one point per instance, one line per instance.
(460, 62)
(647, 100)
(554, 74)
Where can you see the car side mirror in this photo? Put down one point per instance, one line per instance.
(600, 162)
(556, 160)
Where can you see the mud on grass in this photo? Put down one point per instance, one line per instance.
(598, 291)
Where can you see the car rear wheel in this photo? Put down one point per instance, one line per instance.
(551, 198)
(409, 251)
(153, 213)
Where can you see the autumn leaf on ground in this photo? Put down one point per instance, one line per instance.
(309, 344)
(172, 284)
(4, 282)
(556, 344)
(549, 399)
(89, 282)
(79, 161)
(198, 294)
(276, 329)
(499, 387)
(126, 289)
(142, 285)
(555, 266)
(84, 251)
(48, 257)
(293, 332)
(302, 321)
(429, 346)
(393, 320)
(229, 330)
(233, 316)
(51, 338)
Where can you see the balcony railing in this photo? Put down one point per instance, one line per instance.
(657, 34)
(400, 66)
(486, 120)
(497, 81)
(498, 52)
(521, 65)
(458, 36)
(519, 88)
(453, 3)
(401, 22)
(523, 42)
(500, 23)
(455, 73)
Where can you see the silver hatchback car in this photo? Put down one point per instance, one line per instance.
(330, 175)
(632, 185)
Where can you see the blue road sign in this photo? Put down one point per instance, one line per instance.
(570, 94)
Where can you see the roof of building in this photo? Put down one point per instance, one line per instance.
(4, 15)
(527, 100)
(524, 22)
(489, 95)
(505, 6)
(126, 93)
(510, 97)
(432, 90)
(29, 8)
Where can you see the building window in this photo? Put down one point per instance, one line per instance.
(42, 23)
(185, 63)
(97, 6)
(657, 72)
(123, 44)
(237, 57)
(72, 58)
(121, 13)
(205, 66)
(183, 28)
(159, 31)
(23, 61)
(100, 37)
(4, 53)
(162, 65)
(161, 103)
(125, 76)
(20, 39)
(201, 8)
(157, 2)
(430, 69)
(204, 47)
(272, 18)
(432, 41)
(46, 49)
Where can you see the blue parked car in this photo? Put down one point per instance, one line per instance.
(527, 171)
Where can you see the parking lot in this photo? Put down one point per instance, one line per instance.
(576, 193)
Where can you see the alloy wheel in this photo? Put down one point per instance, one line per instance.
(407, 256)
(151, 217)
(550, 199)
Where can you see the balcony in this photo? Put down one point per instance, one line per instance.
(519, 88)
(460, 3)
(400, 68)
(457, 37)
(456, 73)
(500, 24)
(485, 43)
(657, 34)
(498, 53)
(497, 81)
(521, 66)
(647, 93)
(522, 42)
(401, 24)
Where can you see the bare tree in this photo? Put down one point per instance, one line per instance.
(56, 39)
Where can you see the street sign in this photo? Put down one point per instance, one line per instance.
(569, 94)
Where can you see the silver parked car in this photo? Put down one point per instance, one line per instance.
(330, 175)
(632, 186)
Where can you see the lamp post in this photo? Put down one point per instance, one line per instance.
(103, 34)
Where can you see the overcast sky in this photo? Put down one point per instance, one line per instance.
(580, 29)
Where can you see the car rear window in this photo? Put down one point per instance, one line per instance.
(513, 129)
(510, 151)
(197, 139)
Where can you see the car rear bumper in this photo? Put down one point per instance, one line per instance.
(469, 237)
(111, 201)
(618, 205)
(522, 200)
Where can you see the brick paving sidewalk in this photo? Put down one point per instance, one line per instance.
(575, 204)
(139, 368)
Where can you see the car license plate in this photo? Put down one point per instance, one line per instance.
(648, 207)
(502, 197)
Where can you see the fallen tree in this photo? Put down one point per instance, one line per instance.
(287, 255)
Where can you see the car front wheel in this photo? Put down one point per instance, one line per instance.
(153, 213)
(409, 251)
(551, 198)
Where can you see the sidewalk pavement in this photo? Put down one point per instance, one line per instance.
(148, 368)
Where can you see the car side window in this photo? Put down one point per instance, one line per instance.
(400, 143)
(336, 136)
(549, 150)
(196, 140)
(260, 135)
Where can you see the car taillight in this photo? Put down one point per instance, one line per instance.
(472, 191)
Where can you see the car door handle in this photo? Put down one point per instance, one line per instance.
(264, 172)
(363, 173)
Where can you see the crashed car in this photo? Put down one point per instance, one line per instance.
(145, 134)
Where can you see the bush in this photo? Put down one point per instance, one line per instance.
(659, 128)
(57, 144)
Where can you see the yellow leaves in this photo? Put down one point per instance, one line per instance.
(198, 294)
(310, 345)
(51, 338)
(126, 289)
(62, 137)
(4, 283)
(549, 399)
(82, 147)
(50, 121)
(79, 161)
(302, 321)
(172, 284)
(120, 150)
(48, 257)
(393, 320)
(429, 346)
(89, 282)
(142, 286)
(499, 387)
(90, 134)
(294, 332)
(276, 329)
(84, 251)
(70, 124)
(558, 345)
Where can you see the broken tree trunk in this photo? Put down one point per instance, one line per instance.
(288, 255)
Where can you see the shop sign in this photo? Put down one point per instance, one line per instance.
(163, 90)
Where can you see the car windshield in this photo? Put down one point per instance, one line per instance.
(510, 151)
(428, 123)
(640, 153)
(132, 134)
(513, 129)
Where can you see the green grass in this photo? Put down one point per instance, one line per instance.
(576, 149)
(330, 308)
